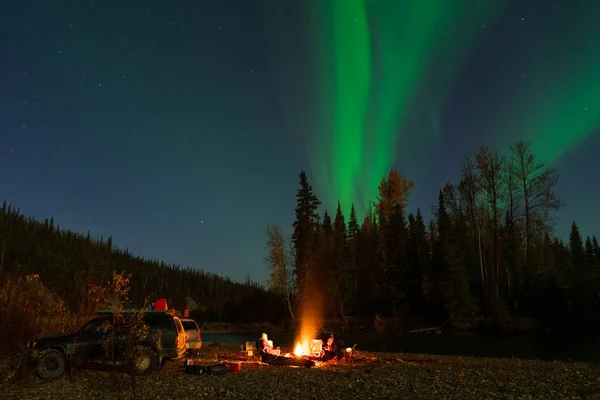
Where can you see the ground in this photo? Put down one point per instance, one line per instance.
(364, 376)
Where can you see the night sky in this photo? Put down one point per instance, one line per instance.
(180, 127)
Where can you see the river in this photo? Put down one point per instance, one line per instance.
(525, 347)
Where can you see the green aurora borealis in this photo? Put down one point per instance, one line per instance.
(559, 107)
(384, 62)
(180, 130)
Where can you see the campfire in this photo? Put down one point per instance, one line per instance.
(318, 350)
(306, 344)
(311, 349)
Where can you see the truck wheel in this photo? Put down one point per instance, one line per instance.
(145, 360)
(51, 364)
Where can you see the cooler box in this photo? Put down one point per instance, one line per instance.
(160, 305)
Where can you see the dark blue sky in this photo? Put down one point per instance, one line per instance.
(180, 128)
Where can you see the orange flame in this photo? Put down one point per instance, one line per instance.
(310, 314)
(312, 348)
(308, 332)
(299, 350)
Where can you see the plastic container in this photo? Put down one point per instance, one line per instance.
(161, 305)
(235, 366)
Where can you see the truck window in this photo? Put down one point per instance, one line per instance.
(178, 325)
(162, 322)
(190, 325)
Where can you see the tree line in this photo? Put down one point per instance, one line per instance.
(73, 266)
(488, 256)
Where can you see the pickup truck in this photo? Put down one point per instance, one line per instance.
(164, 340)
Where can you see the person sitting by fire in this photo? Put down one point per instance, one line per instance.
(267, 346)
(331, 349)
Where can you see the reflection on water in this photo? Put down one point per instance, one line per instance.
(477, 346)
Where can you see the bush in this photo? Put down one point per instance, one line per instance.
(30, 311)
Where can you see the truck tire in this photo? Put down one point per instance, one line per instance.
(145, 360)
(51, 364)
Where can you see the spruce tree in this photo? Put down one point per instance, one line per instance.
(352, 243)
(590, 258)
(327, 280)
(454, 284)
(596, 250)
(417, 261)
(393, 194)
(584, 283)
(340, 271)
(304, 238)
(367, 265)
(327, 226)
(353, 226)
(576, 246)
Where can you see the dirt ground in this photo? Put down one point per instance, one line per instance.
(361, 375)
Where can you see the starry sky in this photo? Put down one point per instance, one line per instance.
(180, 128)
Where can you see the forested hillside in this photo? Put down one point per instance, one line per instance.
(489, 253)
(69, 264)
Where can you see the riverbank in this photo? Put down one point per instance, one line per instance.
(510, 325)
(364, 375)
(533, 347)
(253, 328)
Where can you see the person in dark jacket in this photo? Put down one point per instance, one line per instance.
(331, 349)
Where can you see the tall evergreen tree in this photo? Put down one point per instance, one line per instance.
(342, 274)
(353, 225)
(304, 239)
(435, 300)
(596, 250)
(367, 264)
(393, 194)
(585, 289)
(352, 244)
(418, 262)
(327, 281)
(454, 284)
(590, 257)
(576, 246)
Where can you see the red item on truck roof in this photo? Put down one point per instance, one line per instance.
(160, 304)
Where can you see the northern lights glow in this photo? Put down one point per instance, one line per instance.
(559, 99)
(375, 56)
(198, 117)
(352, 66)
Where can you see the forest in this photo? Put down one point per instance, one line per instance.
(77, 268)
(489, 258)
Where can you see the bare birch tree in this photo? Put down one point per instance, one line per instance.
(537, 182)
(280, 263)
(470, 190)
(491, 168)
